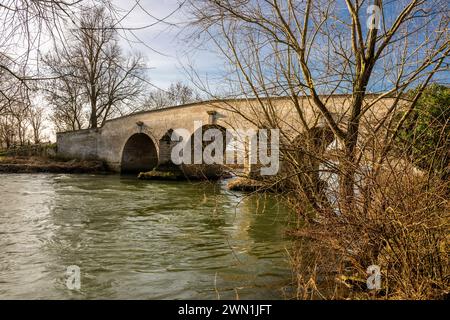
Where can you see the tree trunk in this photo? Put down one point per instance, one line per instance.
(93, 119)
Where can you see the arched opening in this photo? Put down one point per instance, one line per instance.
(207, 153)
(307, 155)
(208, 135)
(313, 143)
(139, 154)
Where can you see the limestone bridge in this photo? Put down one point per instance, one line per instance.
(142, 141)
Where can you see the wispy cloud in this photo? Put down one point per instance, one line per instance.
(163, 43)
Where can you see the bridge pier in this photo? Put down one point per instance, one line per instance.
(165, 148)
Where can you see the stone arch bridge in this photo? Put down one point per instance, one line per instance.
(141, 141)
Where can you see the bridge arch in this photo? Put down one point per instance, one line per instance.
(212, 170)
(307, 153)
(320, 138)
(212, 128)
(139, 154)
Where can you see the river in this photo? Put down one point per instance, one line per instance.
(136, 239)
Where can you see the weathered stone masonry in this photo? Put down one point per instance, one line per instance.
(130, 133)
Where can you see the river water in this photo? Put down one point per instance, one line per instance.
(136, 239)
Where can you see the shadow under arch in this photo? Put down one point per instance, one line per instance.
(139, 154)
(205, 170)
(316, 140)
(304, 158)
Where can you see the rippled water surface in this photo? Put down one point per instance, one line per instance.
(138, 239)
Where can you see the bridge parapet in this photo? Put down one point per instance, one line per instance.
(108, 143)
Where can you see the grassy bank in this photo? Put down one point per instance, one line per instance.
(36, 164)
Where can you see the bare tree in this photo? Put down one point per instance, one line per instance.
(6, 131)
(124, 85)
(15, 124)
(157, 99)
(10, 88)
(177, 94)
(91, 71)
(317, 49)
(24, 26)
(22, 120)
(64, 94)
(36, 118)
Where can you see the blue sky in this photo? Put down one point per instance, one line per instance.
(169, 53)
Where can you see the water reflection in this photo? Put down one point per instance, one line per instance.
(135, 239)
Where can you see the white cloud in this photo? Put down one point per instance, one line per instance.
(164, 44)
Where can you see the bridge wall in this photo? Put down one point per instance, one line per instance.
(80, 144)
(107, 143)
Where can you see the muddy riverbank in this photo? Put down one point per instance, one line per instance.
(49, 165)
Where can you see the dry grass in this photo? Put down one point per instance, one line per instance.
(245, 184)
(45, 164)
(401, 223)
